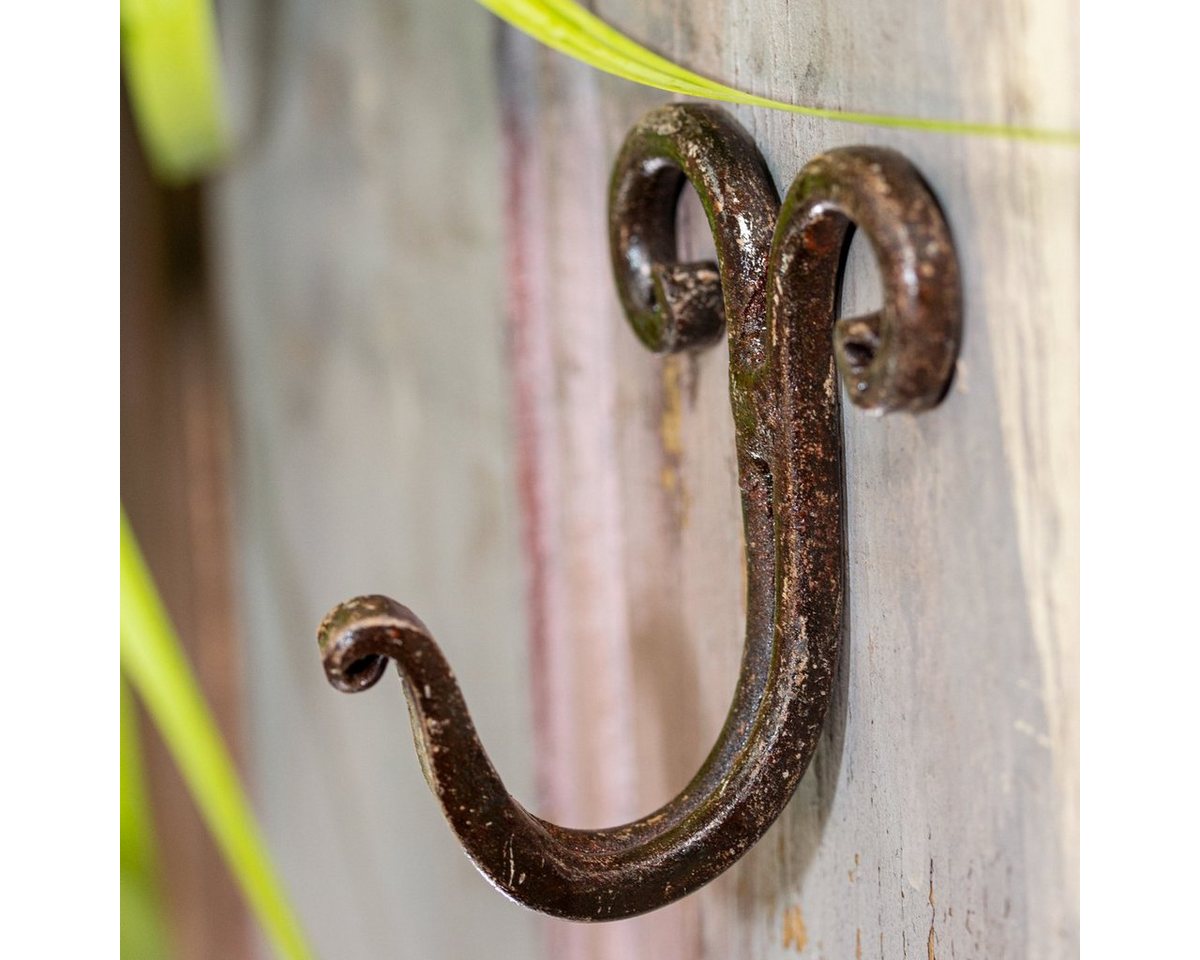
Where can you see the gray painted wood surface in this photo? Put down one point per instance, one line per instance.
(450, 410)
(359, 237)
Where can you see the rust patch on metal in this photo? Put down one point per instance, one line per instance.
(774, 292)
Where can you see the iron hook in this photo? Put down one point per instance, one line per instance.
(774, 289)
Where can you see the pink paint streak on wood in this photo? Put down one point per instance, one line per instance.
(565, 379)
(566, 328)
(538, 480)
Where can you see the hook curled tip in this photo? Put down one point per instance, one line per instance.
(902, 356)
(357, 637)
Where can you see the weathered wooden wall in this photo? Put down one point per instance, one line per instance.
(359, 234)
(439, 399)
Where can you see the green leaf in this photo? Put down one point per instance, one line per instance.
(565, 26)
(143, 934)
(172, 73)
(154, 663)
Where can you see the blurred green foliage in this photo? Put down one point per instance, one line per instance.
(153, 662)
(142, 934)
(172, 73)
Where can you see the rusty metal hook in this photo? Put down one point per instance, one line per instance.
(774, 289)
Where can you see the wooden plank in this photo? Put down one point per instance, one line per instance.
(940, 815)
(360, 230)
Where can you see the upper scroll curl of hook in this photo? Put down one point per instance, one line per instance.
(774, 291)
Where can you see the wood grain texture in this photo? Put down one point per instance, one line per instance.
(584, 495)
(359, 232)
(940, 815)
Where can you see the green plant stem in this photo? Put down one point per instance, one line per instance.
(153, 661)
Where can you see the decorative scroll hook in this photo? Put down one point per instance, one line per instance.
(774, 288)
